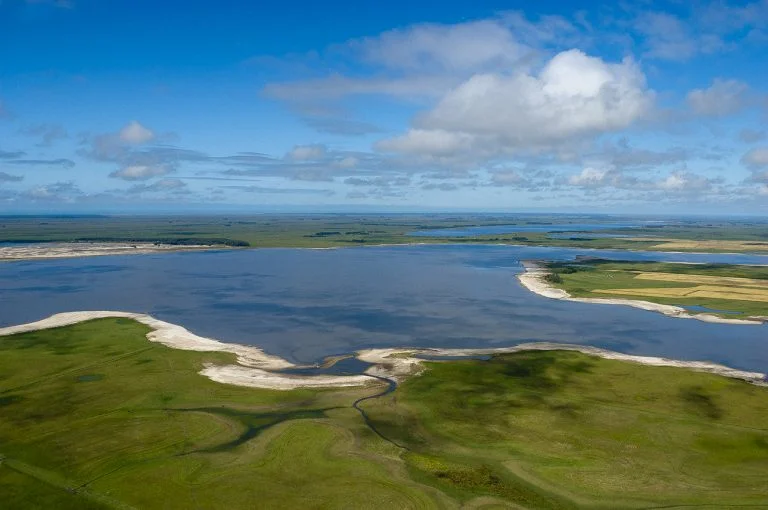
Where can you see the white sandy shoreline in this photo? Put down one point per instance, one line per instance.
(533, 280)
(257, 369)
(60, 250)
(407, 361)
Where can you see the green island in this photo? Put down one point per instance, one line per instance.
(344, 230)
(95, 416)
(726, 290)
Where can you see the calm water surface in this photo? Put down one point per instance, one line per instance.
(307, 304)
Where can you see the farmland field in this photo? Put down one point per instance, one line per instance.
(727, 290)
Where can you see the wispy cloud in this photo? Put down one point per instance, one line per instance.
(48, 134)
(756, 158)
(162, 186)
(279, 191)
(4, 177)
(141, 172)
(723, 97)
(339, 126)
(11, 154)
(60, 162)
(65, 191)
(702, 28)
(61, 4)
(5, 113)
(748, 135)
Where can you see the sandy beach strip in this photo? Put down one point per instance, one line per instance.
(257, 369)
(55, 250)
(533, 280)
(401, 363)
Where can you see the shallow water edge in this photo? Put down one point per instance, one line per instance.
(257, 369)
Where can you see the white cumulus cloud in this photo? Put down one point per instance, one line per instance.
(574, 95)
(135, 133)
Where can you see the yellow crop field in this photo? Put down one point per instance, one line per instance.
(743, 294)
(651, 292)
(703, 279)
(702, 291)
(689, 245)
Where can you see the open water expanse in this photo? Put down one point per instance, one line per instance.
(307, 304)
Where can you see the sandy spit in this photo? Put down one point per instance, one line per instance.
(533, 280)
(255, 368)
(401, 363)
(87, 249)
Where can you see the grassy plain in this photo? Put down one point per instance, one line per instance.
(566, 430)
(95, 416)
(339, 230)
(741, 291)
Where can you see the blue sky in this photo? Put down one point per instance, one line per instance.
(146, 106)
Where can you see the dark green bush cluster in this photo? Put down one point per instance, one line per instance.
(326, 233)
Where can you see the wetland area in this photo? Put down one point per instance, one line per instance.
(414, 375)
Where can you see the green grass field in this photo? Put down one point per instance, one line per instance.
(95, 416)
(582, 279)
(566, 430)
(262, 231)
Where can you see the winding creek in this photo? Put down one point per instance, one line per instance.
(307, 304)
(391, 386)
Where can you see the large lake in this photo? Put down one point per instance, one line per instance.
(306, 304)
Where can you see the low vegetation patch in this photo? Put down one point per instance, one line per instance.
(567, 430)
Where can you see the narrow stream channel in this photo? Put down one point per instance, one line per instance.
(391, 386)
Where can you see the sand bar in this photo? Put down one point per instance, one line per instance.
(533, 280)
(36, 251)
(257, 369)
(400, 363)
